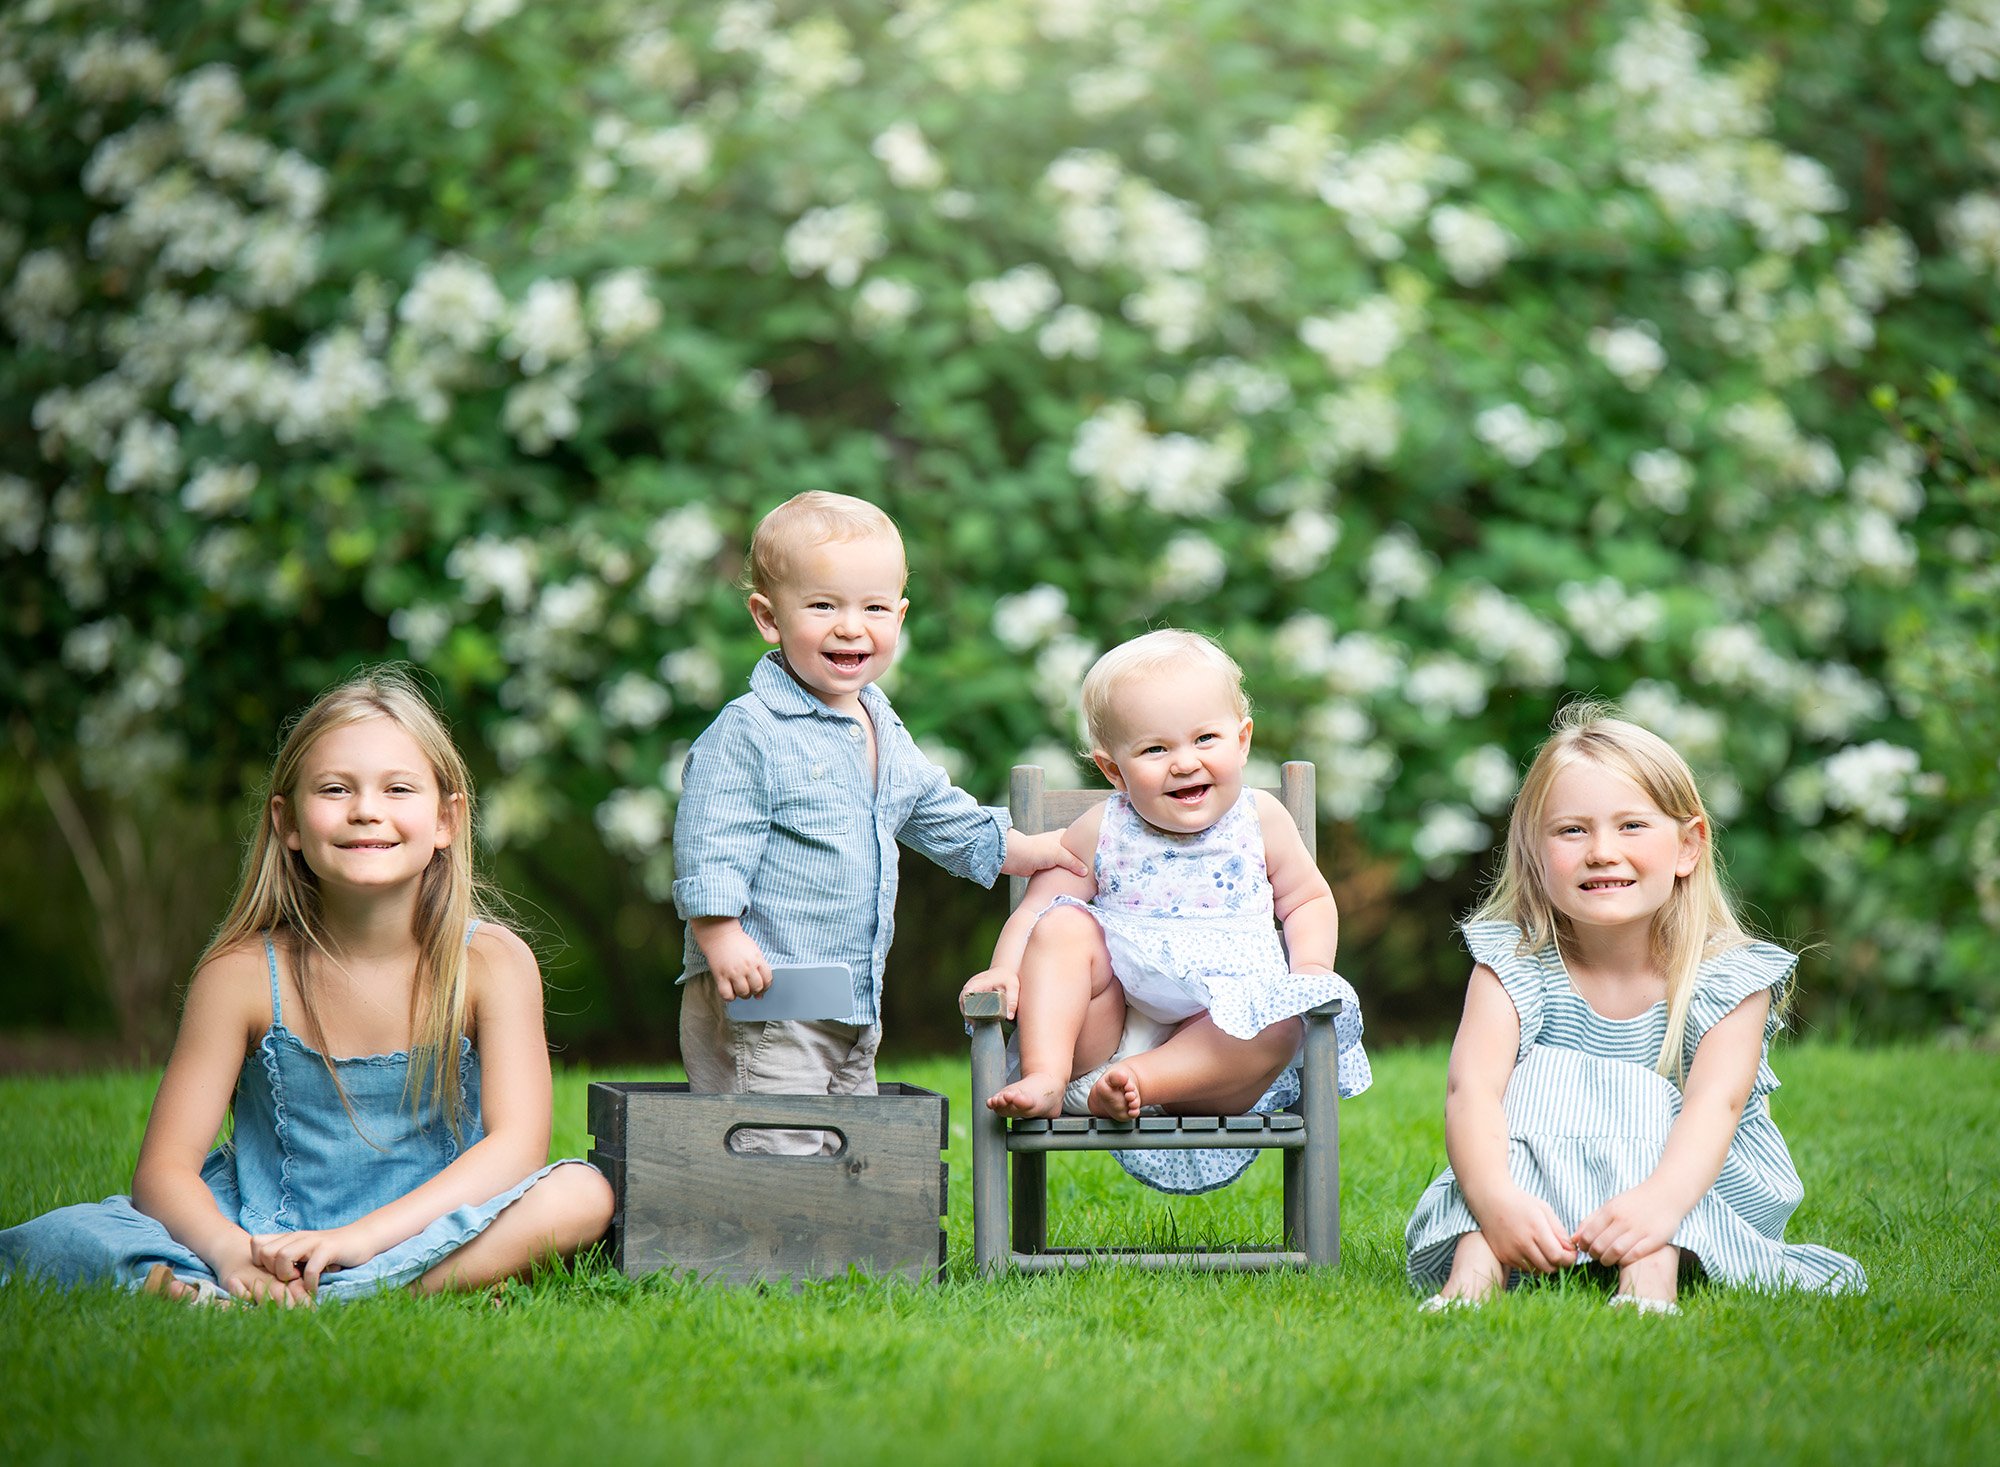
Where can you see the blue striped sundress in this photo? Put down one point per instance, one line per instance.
(1588, 1116)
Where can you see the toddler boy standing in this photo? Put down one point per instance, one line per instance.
(792, 804)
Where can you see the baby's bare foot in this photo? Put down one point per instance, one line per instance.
(1031, 1095)
(1116, 1095)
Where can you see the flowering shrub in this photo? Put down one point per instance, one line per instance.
(1441, 364)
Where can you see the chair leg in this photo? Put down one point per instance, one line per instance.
(1031, 1202)
(1319, 1102)
(989, 1149)
(1295, 1198)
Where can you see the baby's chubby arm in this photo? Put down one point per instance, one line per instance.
(1299, 893)
(1072, 878)
(1636, 1223)
(1522, 1230)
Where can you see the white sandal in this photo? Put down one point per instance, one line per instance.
(1639, 1304)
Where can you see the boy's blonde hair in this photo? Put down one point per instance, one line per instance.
(812, 518)
(1698, 919)
(1168, 649)
(278, 893)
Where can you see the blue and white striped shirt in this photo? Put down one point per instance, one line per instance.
(778, 826)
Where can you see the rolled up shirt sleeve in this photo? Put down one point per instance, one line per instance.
(946, 824)
(722, 822)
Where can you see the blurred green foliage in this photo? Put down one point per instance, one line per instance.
(1443, 362)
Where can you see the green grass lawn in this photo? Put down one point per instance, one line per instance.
(1899, 1148)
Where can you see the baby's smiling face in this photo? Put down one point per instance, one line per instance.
(1178, 746)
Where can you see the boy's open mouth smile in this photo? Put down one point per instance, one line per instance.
(846, 661)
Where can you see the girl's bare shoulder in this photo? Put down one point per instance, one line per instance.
(499, 959)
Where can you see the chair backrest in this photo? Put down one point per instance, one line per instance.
(1036, 808)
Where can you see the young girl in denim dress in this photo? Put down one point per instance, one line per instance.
(376, 1040)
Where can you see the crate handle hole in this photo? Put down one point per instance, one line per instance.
(730, 1140)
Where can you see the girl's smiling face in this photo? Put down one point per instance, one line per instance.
(1610, 856)
(1178, 748)
(366, 811)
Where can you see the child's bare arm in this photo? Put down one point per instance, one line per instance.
(1299, 893)
(1002, 975)
(735, 961)
(227, 1012)
(1636, 1223)
(1027, 854)
(1522, 1230)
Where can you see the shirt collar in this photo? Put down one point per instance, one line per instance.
(776, 688)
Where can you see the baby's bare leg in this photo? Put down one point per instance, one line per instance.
(1475, 1272)
(1200, 1071)
(568, 1209)
(1071, 1011)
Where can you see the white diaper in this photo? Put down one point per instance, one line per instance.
(1140, 1034)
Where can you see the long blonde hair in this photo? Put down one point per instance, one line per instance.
(1698, 920)
(278, 893)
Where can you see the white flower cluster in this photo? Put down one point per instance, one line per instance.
(635, 822)
(1765, 428)
(109, 68)
(1516, 434)
(1175, 473)
(1355, 771)
(801, 64)
(1362, 424)
(41, 298)
(1443, 687)
(1447, 833)
(684, 542)
(219, 489)
(1882, 266)
(1874, 780)
(1303, 543)
(623, 308)
(837, 241)
(1608, 617)
(694, 673)
(1233, 385)
(1662, 478)
(884, 305)
(547, 328)
(1736, 658)
(1105, 216)
(1358, 340)
(1488, 776)
(1190, 567)
(1029, 618)
(1016, 300)
(1294, 154)
(1059, 669)
(1889, 481)
(907, 157)
(1631, 351)
(633, 700)
(1072, 331)
(20, 514)
(969, 45)
(1399, 569)
(1972, 224)
(489, 566)
(454, 302)
(1833, 699)
(422, 628)
(1358, 665)
(1964, 38)
(1693, 730)
(1473, 246)
(542, 411)
(671, 158)
(1381, 191)
(1502, 630)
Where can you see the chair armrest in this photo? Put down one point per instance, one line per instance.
(1323, 1012)
(985, 1006)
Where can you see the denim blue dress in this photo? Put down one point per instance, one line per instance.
(297, 1159)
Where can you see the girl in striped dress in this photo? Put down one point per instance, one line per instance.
(1607, 1096)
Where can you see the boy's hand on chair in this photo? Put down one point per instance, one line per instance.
(1524, 1233)
(734, 960)
(1027, 854)
(1627, 1228)
(995, 980)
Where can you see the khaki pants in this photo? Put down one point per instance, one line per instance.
(784, 1057)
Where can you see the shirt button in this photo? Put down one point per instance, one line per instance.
(854, 730)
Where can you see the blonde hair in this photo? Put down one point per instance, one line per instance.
(1698, 919)
(812, 518)
(1160, 651)
(279, 893)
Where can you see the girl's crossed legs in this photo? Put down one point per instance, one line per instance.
(1072, 1014)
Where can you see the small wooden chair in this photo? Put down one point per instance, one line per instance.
(1308, 1133)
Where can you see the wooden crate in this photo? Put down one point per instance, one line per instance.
(688, 1201)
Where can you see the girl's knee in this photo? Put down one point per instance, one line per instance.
(1065, 926)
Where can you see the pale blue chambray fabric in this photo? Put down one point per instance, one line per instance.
(777, 826)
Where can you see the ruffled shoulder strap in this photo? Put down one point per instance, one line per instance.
(1522, 974)
(1725, 980)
